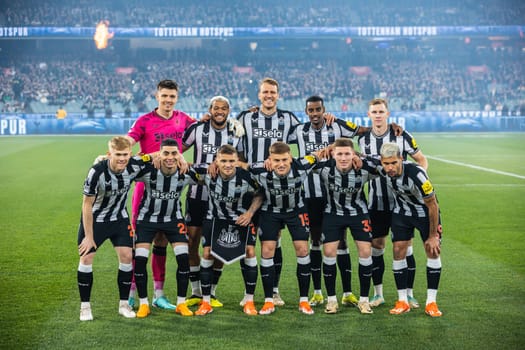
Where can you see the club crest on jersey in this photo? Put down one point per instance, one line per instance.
(281, 121)
(263, 133)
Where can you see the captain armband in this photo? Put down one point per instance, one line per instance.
(146, 158)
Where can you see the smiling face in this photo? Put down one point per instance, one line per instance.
(168, 162)
(118, 159)
(343, 157)
(281, 163)
(268, 95)
(315, 111)
(227, 164)
(219, 111)
(167, 99)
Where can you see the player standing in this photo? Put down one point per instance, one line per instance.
(206, 137)
(381, 199)
(149, 130)
(105, 216)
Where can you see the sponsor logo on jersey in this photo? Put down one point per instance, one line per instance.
(312, 146)
(263, 133)
(284, 191)
(341, 189)
(208, 148)
(117, 192)
(221, 198)
(156, 194)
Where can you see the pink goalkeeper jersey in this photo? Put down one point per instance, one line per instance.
(150, 129)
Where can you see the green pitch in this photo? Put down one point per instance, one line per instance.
(480, 182)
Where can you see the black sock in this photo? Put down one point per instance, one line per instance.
(206, 277)
(278, 263)
(365, 274)
(378, 269)
(124, 283)
(183, 272)
(141, 276)
(411, 273)
(85, 283)
(315, 267)
(329, 274)
(345, 268)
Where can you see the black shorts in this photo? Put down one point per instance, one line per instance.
(334, 227)
(176, 232)
(381, 222)
(206, 234)
(403, 227)
(316, 208)
(271, 223)
(196, 211)
(118, 232)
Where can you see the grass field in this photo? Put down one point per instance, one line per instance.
(480, 181)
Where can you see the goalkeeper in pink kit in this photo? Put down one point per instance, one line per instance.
(149, 130)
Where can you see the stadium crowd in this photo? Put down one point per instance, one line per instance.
(156, 13)
(410, 84)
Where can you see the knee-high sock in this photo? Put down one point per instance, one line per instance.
(141, 274)
(85, 281)
(411, 265)
(206, 276)
(316, 259)
(267, 276)
(400, 276)
(378, 265)
(183, 269)
(278, 263)
(433, 277)
(345, 268)
(251, 273)
(365, 275)
(303, 275)
(329, 274)
(125, 271)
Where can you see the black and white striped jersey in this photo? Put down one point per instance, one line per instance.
(228, 198)
(410, 189)
(345, 194)
(370, 144)
(283, 194)
(111, 189)
(161, 200)
(309, 140)
(262, 131)
(206, 141)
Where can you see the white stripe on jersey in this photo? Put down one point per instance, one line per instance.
(283, 194)
(409, 190)
(345, 190)
(379, 196)
(262, 131)
(227, 197)
(161, 201)
(310, 140)
(111, 190)
(206, 141)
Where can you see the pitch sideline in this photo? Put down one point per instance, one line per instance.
(476, 167)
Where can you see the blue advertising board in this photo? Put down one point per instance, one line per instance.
(38, 124)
